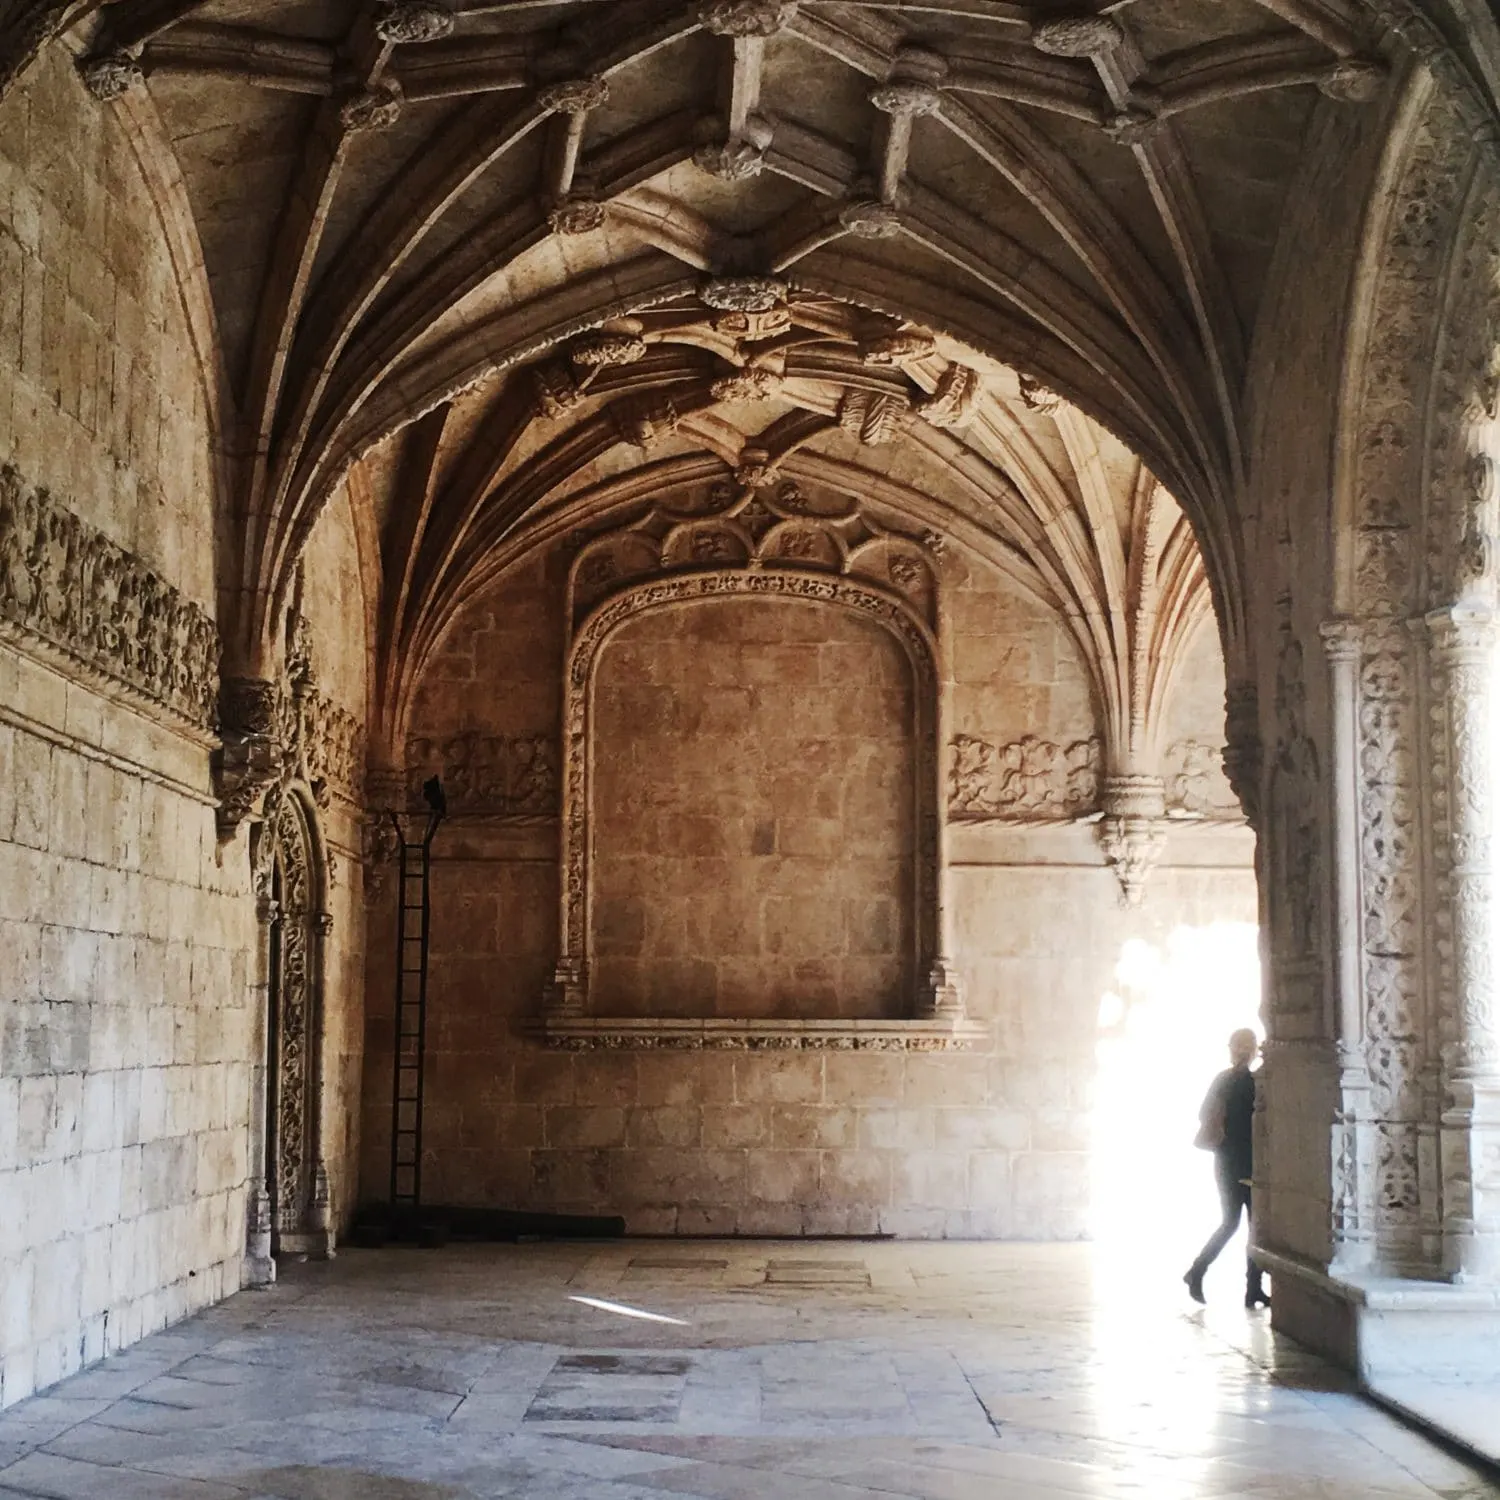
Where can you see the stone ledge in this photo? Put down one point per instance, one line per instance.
(1383, 1293)
(601, 1033)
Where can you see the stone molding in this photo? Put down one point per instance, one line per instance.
(74, 598)
(753, 540)
(673, 1034)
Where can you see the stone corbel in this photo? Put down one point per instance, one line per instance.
(1133, 831)
(250, 759)
(385, 794)
(943, 997)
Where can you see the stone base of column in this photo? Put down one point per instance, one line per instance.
(1386, 1328)
(260, 1265)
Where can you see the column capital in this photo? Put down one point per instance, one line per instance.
(1459, 633)
(1343, 639)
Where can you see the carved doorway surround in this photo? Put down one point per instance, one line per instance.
(757, 539)
(292, 1212)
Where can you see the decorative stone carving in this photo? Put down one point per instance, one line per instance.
(735, 160)
(1029, 780)
(375, 108)
(1196, 785)
(578, 213)
(575, 96)
(746, 294)
(110, 75)
(486, 775)
(924, 1034)
(413, 21)
(747, 385)
(1037, 397)
(890, 350)
(70, 594)
(746, 18)
(557, 393)
(603, 349)
(754, 327)
(870, 219)
(1078, 36)
(1354, 80)
(645, 422)
(762, 542)
(906, 97)
(1132, 848)
(873, 417)
(954, 401)
(1132, 126)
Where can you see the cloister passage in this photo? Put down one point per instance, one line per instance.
(750, 620)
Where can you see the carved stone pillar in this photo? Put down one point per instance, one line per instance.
(1463, 641)
(1353, 1144)
(1133, 830)
(260, 1264)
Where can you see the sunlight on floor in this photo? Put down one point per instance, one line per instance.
(1162, 1034)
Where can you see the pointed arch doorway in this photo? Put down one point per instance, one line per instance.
(293, 1193)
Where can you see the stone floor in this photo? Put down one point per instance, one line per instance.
(770, 1371)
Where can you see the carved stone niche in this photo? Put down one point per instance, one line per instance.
(761, 539)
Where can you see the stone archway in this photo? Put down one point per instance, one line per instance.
(294, 922)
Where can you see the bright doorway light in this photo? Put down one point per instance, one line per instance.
(1162, 1034)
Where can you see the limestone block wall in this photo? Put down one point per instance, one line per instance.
(125, 1027)
(989, 1142)
(754, 831)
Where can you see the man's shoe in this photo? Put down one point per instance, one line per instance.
(1194, 1282)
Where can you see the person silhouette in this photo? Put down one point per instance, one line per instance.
(1225, 1129)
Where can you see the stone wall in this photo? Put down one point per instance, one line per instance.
(987, 1142)
(754, 831)
(125, 1017)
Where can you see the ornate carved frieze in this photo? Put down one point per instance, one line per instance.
(669, 1034)
(487, 775)
(1029, 780)
(1196, 785)
(73, 596)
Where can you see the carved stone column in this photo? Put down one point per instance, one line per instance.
(1463, 641)
(260, 1264)
(1243, 750)
(1353, 1138)
(1133, 830)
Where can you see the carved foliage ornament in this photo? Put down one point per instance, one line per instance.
(375, 108)
(1029, 780)
(413, 21)
(495, 776)
(109, 76)
(576, 96)
(746, 18)
(68, 589)
(749, 294)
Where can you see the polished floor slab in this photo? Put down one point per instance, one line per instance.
(741, 1371)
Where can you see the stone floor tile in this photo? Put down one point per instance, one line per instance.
(961, 1371)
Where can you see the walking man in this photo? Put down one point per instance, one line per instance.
(1225, 1122)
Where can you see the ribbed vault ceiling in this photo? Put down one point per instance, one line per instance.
(538, 259)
